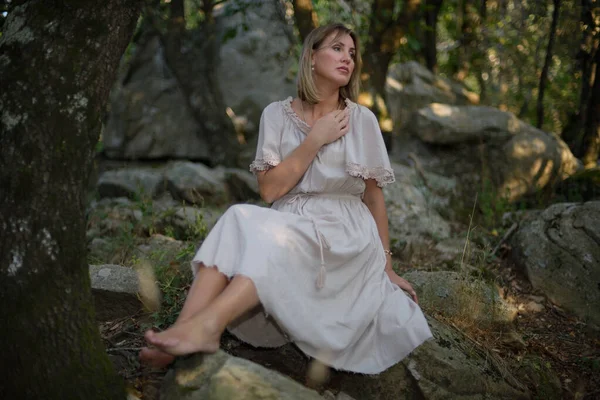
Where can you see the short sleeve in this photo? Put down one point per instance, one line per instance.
(367, 156)
(268, 153)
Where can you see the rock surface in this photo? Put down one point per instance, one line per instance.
(411, 86)
(559, 250)
(473, 142)
(220, 376)
(115, 291)
(456, 295)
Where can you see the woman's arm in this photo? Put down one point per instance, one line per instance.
(375, 202)
(276, 182)
(279, 180)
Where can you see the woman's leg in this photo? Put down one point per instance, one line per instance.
(202, 332)
(207, 285)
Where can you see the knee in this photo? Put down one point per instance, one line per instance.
(240, 210)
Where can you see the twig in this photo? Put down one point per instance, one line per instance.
(117, 349)
(508, 233)
(462, 258)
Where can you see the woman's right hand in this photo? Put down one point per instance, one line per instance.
(331, 127)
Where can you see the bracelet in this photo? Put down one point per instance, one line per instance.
(388, 251)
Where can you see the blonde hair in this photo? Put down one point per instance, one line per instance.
(307, 90)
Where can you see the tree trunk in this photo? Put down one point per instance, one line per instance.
(186, 53)
(58, 61)
(591, 137)
(547, 62)
(574, 132)
(385, 36)
(305, 16)
(432, 9)
(177, 15)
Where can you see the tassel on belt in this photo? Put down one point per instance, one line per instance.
(304, 197)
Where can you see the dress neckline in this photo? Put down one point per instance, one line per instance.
(300, 123)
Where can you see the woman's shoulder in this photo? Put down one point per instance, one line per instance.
(278, 106)
(360, 112)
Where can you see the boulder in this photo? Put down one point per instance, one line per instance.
(194, 183)
(130, 182)
(559, 249)
(538, 373)
(412, 208)
(220, 376)
(115, 290)
(411, 86)
(256, 57)
(148, 116)
(152, 117)
(447, 367)
(258, 330)
(241, 185)
(192, 222)
(458, 295)
(472, 142)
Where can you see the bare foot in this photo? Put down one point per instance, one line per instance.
(198, 334)
(155, 358)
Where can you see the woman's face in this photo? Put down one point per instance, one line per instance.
(333, 61)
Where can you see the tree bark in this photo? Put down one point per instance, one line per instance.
(385, 37)
(547, 62)
(432, 10)
(305, 16)
(575, 130)
(186, 53)
(58, 61)
(591, 137)
(177, 15)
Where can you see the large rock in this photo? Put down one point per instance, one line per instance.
(220, 376)
(241, 184)
(468, 141)
(115, 290)
(411, 86)
(192, 222)
(194, 183)
(149, 117)
(255, 64)
(460, 296)
(559, 250)
(130, 182)
(448, 367)
(412, 208)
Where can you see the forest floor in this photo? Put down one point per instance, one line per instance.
(559, 350)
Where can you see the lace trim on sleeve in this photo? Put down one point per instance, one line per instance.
(262, 164)
(383, 176)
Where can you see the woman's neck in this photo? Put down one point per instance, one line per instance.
(328, 103)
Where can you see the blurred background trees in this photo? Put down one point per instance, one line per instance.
(534, 58)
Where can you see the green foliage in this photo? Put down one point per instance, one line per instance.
(493, 205)
(173, 281)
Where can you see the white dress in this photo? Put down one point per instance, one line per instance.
(315, 256)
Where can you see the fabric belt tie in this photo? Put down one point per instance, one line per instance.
(304, 197)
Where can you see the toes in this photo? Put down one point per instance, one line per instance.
(155, 358)
(157, 340)
(149, 335)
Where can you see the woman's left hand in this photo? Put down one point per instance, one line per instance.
(403, 284)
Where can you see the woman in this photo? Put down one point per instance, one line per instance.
(318, 260)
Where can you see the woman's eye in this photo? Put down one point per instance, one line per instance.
(336, 48)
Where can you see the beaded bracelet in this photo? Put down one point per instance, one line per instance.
(387, 251)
